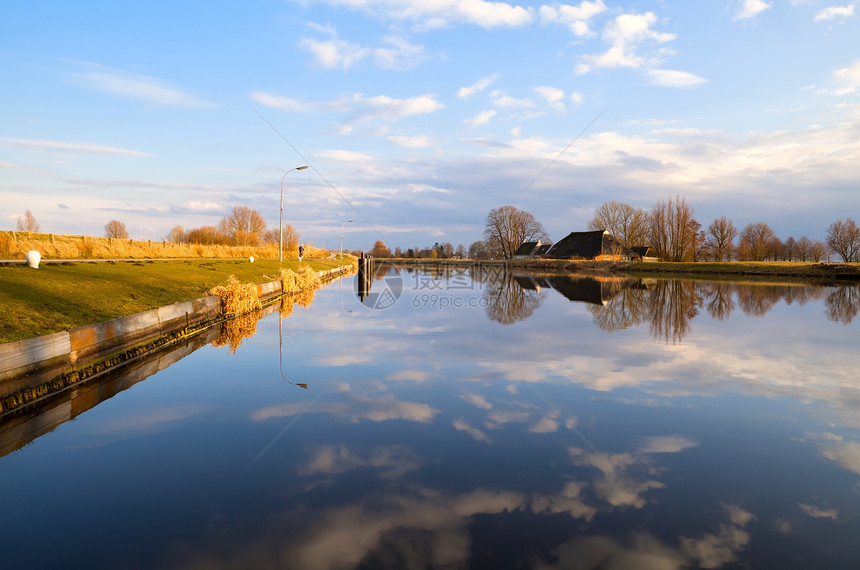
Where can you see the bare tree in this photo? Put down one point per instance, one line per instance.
(479, 250)
(460, 252)
(206, 235)
(243, 226)
(720, 238)
(292, 237)
(674, 232)
(623, 221)
(843, 238)
(175, 235)
(757, 242)
(116, 229)
(508, 227)
(28, 223)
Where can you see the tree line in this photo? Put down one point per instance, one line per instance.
(671, 229)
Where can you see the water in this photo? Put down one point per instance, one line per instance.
(457, 420)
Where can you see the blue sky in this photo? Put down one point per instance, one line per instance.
(419, 116)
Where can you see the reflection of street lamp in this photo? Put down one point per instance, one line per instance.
(281, 219)
(341, 235)
(281, 353)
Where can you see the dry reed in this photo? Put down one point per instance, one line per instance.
(237, 329)
(15, 245)
(237, 298)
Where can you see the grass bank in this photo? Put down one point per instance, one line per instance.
(62, 296)
(847, 271)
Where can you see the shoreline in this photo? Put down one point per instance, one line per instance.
(704, 269)
(38, 368)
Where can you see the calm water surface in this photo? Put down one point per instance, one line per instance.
(468, 420)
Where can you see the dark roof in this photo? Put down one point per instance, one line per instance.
(588, 245)
(541, 250)
(644, 251)
(527, 248)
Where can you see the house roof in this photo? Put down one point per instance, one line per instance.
(527, 248)
(542, 249)
(644, 251)
(588, 245)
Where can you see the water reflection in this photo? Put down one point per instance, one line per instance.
(668, 306)
(440, 439)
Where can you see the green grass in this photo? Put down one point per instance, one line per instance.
(62, 296)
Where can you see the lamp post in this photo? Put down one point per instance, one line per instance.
(341, 235)
(281, 219)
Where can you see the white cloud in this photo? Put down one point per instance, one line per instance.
(473, 432)
(389, 109)
(818, 512)
(196, 206)
(751, 8)
(575, 17)
(673, 78)
(477, 400)
(334, 53)
(553, 97)
(411, 142)
(625, 34)
(847, 78)
(477, 87)
(417, 376)
(835, 12)
(481, 118)
(666, 444)
(440, 13)
(399, 55)
(391, 462)
(377, 409)
(507, 102)
(143, 88)
(281, 103)
(360, 108)
(41, 145)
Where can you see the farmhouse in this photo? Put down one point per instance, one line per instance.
(598, 245)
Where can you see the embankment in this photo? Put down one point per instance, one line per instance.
(36, 368)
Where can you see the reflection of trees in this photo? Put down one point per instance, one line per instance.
(674, 304)
(842, 304)
(508, 302)
(623, 311)
(718, 299)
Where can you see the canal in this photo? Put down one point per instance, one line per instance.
(464, 418)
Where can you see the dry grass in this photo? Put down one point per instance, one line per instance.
(237, 298)
(234, 331)
(15, 245)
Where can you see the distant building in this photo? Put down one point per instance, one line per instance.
(645, 253)
(531, 249)
(598, 245)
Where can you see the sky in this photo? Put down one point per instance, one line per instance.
(417, 117)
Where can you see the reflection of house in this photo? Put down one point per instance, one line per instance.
(645, 253)
(598, 245)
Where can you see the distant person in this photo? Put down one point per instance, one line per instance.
(301, 251)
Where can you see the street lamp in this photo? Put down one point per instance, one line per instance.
(281, 219)
(341, 235)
